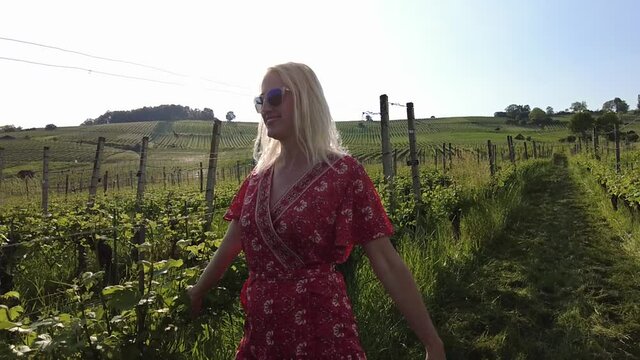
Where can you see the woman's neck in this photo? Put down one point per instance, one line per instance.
(292, 157)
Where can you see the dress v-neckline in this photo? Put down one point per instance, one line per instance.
(277, 202)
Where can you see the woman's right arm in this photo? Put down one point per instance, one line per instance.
(222, 258)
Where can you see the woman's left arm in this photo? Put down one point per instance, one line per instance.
(399, 283)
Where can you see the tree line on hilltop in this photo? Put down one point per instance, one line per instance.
(523, 114)
(155, 113)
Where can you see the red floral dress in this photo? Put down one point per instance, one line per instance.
(295, 301)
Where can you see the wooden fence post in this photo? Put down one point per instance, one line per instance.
(512, 150)
(201, 178)
(93, 186)
(595, 143)
(45, 181)
(492, 164)
(444, 157)
(387, 166)
(617, 138)
(395, 162)
(413, 159)
(142, 174)
(164, 177)
(66, 184)
(211, 174)
(238, 171)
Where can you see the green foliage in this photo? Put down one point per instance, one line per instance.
(539, 117)
(578, 106)
(550, 111)
(581, 122)
(605, 122)
(624, 186)
(517, 112)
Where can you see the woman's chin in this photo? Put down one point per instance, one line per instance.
(272, 133)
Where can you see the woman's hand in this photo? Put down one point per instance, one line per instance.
(195, 295)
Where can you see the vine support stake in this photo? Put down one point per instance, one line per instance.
(95, 174)
(142, 174)
(617, 138)
(211, 174)
(45, 180)
(413, 158)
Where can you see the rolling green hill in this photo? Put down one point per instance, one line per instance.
(186, 143)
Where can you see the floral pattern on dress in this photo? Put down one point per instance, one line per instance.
(295, 302)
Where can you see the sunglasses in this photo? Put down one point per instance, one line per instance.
(274, 98)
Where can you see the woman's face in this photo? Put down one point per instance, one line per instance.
(279, 119)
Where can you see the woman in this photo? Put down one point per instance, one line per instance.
(300, 212)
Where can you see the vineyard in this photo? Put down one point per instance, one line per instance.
(108, 278)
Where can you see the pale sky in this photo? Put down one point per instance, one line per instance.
(451, 58)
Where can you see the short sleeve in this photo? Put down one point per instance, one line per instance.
(361, 217)
(235, 209)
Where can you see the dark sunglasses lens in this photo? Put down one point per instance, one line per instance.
(257, 102)
(274, 97)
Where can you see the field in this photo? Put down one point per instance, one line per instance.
(188, 142)
(533, 261)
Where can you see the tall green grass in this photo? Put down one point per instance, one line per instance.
(432, 255)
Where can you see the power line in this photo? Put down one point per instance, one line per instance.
(91, 56)
(119, 61)
(88, 70)
(91, 71)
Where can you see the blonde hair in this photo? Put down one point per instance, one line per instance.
(314, 127)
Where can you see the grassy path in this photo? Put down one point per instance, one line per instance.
(555, 285)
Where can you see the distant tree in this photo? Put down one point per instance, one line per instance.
(207, 114)
(580, 123)
(608, 106)
(523, 118)
(518, 112)
(550, 111)
(606, 121)
(539, 117)
(230, 116)
(621, 106)
(499, 114)
(10, 128)
(579, 106)
(368, 118)
(618, 105)
(156, 113)
(513, 110)
(638, 103)
(50, 127)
